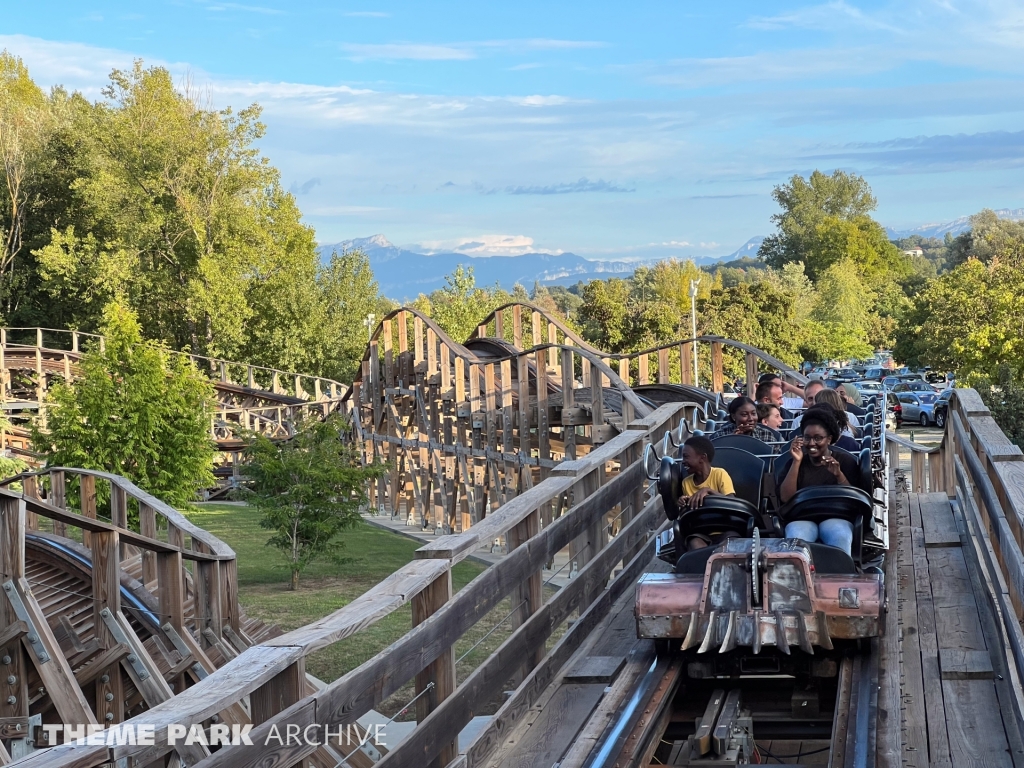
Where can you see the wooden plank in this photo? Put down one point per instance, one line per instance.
(554, 731)
(937, 521)
(595, 669)
(958, 664)
(938, 741)
(976, 736)
(915, 724)
(957, 624)
(449, 718)
(393, 592)
(889, 750)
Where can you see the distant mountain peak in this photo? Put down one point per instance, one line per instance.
(954, 227)
(364, 243)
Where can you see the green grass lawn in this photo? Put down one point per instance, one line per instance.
(372, 554)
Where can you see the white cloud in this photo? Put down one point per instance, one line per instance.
(246, 8)
(828, 16)
(485, 245)
(415, 51)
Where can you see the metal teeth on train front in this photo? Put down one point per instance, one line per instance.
(725, 631)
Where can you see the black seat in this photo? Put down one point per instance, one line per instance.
(747, 443)
(831, 560)
(825, 502)
(745, 469)
(670, 487)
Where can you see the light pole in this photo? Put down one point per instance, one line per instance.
(368, 322)
(693, 327)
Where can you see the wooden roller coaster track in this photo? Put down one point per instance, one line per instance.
(464, 428)
(249, 397)
(939, 701)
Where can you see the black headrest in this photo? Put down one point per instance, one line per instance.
(866, 475)
(670, 486)
(745, 469)
(748, 443)
(868, 430)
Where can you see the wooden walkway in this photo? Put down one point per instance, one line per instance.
(949, 680)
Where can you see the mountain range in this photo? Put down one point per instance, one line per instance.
(954, 227)
(403, 274)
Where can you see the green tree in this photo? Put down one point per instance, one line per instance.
(23, 123)
(824, 220)
(969, 321)
(308, 490)
(137, 410)
(604, 314)
(989, 238)
(762, 314)
(461, 305)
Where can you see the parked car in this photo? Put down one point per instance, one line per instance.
(868, 388)
(843, 375)
(918, 407)
(941, 408)
(914, 385)
(894, 407)
(875, 373)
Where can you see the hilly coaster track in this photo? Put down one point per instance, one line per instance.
(465, 427)
(249, 397)
(949, 664)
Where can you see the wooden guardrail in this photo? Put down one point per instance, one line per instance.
(978, 466)
(609, 517)
(39, 341)
(465, 426)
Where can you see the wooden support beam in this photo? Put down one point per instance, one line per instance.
(276, 695)
(440, 672)
(147, 527)
(663, 366)
(106, 591)
(717, 372)
(87, 491)
(59, 498)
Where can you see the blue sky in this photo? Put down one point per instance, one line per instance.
(612, 130)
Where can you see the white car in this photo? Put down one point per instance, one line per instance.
(869, 387)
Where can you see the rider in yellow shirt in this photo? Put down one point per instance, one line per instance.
(703, 481)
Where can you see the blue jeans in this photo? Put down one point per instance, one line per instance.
(834, 532)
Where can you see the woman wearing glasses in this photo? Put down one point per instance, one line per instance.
(814, 463)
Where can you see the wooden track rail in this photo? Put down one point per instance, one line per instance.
(467, 427)
(112, 603)
(250, 397)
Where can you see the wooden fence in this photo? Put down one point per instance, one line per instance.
(609, 516)
(979, 467)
